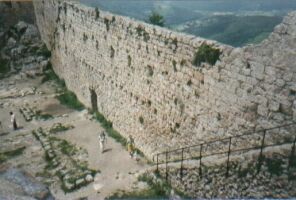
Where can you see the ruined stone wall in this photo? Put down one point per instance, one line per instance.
(147, 86)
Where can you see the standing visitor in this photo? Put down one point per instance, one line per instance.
(102, 140)
(13, 120)
(130, 146)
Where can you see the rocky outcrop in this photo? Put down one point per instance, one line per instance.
(276, 178)
(22, 50)
(14, 11)
(16, 184)
(63, 159)
(141, 77)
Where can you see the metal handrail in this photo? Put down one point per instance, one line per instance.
(227, 138)
(227, 142)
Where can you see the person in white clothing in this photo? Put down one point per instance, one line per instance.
(102, 140)
(13, 120)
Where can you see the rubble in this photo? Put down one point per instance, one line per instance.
(71, 170)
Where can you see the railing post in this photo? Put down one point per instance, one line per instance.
(292, 155)
(200, 156)
(157, 163)
(228, 155)
(181, 169)
(166, 166)
(261, 152)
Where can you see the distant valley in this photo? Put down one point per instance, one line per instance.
(233, 22)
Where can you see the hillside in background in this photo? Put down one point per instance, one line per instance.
(232, 29)
(233, 22)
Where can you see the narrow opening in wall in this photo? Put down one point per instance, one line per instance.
(94, 101)
(248, 65)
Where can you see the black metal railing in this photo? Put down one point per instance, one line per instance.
(258, 140)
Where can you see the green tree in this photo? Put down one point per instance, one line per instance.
(156, 19)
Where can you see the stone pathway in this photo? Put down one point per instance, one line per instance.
(117, 169)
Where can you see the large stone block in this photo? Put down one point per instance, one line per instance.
(257, 70)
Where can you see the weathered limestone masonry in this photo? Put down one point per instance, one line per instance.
(146, 85)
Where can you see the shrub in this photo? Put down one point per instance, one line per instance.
(140, 30)
(67, 148)
(156, 19)
(59, 128)
(4, 67)
(274, 166)
(69, 99)
(44, 52)
(206, 53)
(10, 154)
(49, 75)
(108, 126)
(155, 190)
(44, 116)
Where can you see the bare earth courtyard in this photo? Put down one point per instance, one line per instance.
(116, 169)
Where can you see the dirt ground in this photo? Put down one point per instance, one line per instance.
(117, 169)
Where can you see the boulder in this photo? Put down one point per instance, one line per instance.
(18, 51)
(31, 34)
(68, 185)
(79, 182)
(11, 43)
(27, 91)
(43, 64)
(26, 182)
(21, 26)
(89, 178)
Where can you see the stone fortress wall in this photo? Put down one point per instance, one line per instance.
(146, 85)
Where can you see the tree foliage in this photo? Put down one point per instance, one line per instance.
(156, 19)
(206, 53)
